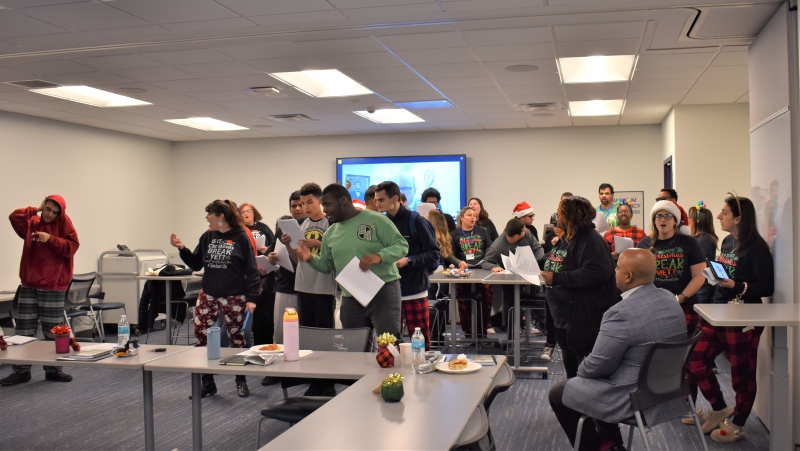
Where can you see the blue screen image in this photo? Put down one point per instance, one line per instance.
(414, 174)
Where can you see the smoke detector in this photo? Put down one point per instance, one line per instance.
(545, 106)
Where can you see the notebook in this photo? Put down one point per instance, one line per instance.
(485, 360)
(19, 339)
(234, 360)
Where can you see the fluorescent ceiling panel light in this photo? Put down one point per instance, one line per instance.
(322, 83)
(596, 108)
(596, 69)
(90, 96)
(394, 116)
(425, 104)
(206, 123)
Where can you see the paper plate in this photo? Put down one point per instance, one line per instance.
(257, 350)
(471, 368)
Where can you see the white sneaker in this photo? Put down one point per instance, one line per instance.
(546, 353)
(490, 331)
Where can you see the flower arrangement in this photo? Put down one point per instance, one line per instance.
(386, 339)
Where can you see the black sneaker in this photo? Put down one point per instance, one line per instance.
(207, 388)
(269, 380)
(16, 378)
(241, 388)
(57, 377)
(321, 389)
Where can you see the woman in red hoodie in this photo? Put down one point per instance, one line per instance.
(50, 242)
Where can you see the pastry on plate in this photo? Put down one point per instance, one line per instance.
(459, 363)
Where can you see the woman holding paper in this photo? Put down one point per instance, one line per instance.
(624, 230)
(230, 280)
(263, 322)
(679, 259)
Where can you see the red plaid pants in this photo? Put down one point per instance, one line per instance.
(415, 312)
(463, 291)
(742, 350)
(692, 318)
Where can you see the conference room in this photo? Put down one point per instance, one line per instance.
(140, 113)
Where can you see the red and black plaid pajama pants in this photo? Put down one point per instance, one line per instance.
(692, 318)
(463, 291)
(415, 312)
(742, 350)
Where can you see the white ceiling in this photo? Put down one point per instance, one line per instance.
(198, 57)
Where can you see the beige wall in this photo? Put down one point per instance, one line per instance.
(117, 186)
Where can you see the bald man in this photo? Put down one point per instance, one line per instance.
(607, 376)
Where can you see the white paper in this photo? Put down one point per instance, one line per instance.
(622, 244)
(710, 276)
(101, 346)
(261, 241)
(19, 339)
(423, 208)
(284, 261)
(291, 228)
(506, 262)
(263, 263)
(523, 263)
(362, 285)
(249, 353)
(600, 223)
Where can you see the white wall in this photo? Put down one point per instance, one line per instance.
(504, 167)
(117, 186)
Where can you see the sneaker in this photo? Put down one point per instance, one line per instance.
(321, 389)
(689, 418)
(57, 377)
(715, 418)
(241, 388)
(269, 380)
(15, 378)
(535, 330)
(208, 387)
(490, 331)
(728, 432)
(547, 353)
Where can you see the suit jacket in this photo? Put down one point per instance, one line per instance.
(610, 373)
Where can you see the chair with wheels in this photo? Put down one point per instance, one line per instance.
(661, 379)
(101, 306)
(77, 302)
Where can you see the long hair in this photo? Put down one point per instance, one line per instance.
(256, 215)
(483, 216)
(228, 210)
(654, 231)
(747, 234)
(461, 214)
(703, 222)
(575, 213)
(439, 222)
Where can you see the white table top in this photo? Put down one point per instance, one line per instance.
(477, 276)
(44, 353)
(431, 415)
(750, 314)
(187, 277)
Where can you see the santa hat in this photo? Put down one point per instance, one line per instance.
(522, 209)
(677, 211)
(359, 204)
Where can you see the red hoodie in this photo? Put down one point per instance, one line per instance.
(47, 266)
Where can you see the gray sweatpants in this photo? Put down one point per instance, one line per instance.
(382, 313)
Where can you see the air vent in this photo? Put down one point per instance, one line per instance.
(547, 106)
(32, 84)
(290, 118)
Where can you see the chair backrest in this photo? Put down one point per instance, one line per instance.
(504, 379)
(347, 340)
(77, 293)
(662, 376)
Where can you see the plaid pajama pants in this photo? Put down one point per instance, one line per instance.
(463, 291)
(692, 318)
(37, 305)
(742, 350)
(415, 312)
(207, 310)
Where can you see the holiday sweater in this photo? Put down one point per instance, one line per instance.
(674, 260)
(754, 267)
(469, 245)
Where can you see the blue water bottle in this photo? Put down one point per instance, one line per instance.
(212, 346)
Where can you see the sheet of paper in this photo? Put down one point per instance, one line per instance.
(600, 223)
(261, 241)
(99, 346)
(525, 262)
(710, 277)
(423, 208)
(622, 244)
(362, 285)
(263, 263)
(507, 263)
(284, 261)
(247, 353)
(19, 339)
(291, 228)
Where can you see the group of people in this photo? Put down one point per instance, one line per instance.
(604, 307)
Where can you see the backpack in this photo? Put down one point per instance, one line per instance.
(412, 225)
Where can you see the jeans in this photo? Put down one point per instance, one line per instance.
(382, 313)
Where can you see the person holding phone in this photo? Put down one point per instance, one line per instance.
(747, 260)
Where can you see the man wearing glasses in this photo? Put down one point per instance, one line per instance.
(432, 196)
(524, 212)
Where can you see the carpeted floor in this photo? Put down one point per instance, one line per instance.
(101, 409)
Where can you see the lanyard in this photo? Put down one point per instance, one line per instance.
(606, 213)
(469, 239)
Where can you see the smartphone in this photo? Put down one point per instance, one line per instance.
(158, 350)
(719, 270)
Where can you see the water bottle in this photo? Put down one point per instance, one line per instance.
(291, 335)
(417, 349)
(123, 331)
(213, 342)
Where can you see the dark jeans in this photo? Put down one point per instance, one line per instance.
(316, 310)
(572, 357)
(264, 319)
(550, 326)
(594, 431)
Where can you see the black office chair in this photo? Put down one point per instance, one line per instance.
(661, 379)
(293, 409)
(502, 381)
(101, 306)
(79, 305)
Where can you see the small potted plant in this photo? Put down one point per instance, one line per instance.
(392, 388)
(386, 350)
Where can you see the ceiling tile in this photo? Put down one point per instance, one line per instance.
(730, 59)
(590, 32)
(148, 30)
(667, 95)
(186, 57)
(53, 67)
(123, 88)
(489, 109)
(481, 101)
(57, 38)
(339, 46)
(726, 71)
(216, 24)
(117, 62)
(288, 64)
(398, 86)
(166, 98)
(573, 49)
(173, 11)
(513, 52)
(157, 112)
(733, 93)
(595, 120)
(194, 85)
(648, 85)
(483, 5)
(309, 17)
(222, 69)
(411, 96)
(506, 36)
(437, 56)
(429, 10)
(499, 67)
(729, 82)
(89, 79)
(367, 74)
(373, 59)
(219, 96)
(533, 78)
(669, 61)
(666, 73)
(198, 108)
(707, 100)
(349, 4)
(17, 4)
(265, 8)
(463, 82)
(83, 16)
(469, 93)
(528, 90)
(744, 99)
(450, 70)
(259, 51)
(13, 24)
(422, 41)
(155, 74)
(242, 82)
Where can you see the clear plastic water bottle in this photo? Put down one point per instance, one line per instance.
(123, 331)
(417, 349)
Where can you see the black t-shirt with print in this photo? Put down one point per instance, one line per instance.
(674, 259)
(754, 267)
(474, 242)
(258, 229)
(557, 300)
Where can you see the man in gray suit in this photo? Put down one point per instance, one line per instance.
(610, 373)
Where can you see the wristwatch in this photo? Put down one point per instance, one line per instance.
(409, 260)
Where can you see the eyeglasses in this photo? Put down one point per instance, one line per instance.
(664, 217)
(659, 199)
(530, 216)
(244, 212)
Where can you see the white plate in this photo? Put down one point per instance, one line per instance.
(471, 368)
(258, 351)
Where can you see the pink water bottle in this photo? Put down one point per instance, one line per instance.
(291, 335)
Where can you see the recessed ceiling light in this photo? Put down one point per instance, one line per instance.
(322, 83)
(522, 68)
(596, 108)
(268, 91)
(206, 123)
(90, 96)
(596, 69)
(425, 104)
(393, 116)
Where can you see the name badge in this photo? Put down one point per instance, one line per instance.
(470, 257)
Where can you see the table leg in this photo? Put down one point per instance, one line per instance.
(167, 308)
(453, 317)
(149, 432)
(780, 437)
(516, 326)
(197, 414)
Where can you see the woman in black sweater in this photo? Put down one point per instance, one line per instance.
(748, 262)
(483, 218)
(263, 316)
(230, 280)
(579, 281)
(701, 221)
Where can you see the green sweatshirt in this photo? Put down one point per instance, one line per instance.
(368, 232)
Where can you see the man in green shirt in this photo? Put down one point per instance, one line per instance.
(374, 239)
(607, 207)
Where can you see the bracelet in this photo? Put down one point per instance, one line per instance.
(745, 289)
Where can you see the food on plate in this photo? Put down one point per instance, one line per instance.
(459, 363)
(119, 352)
(269, 348)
